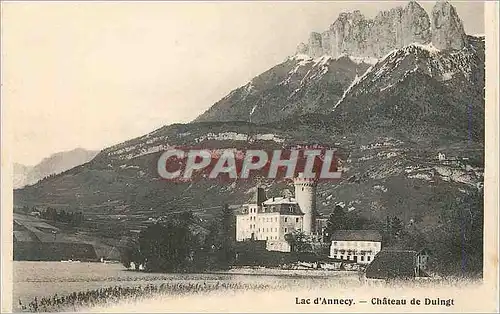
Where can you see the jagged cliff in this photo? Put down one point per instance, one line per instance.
(354, 34)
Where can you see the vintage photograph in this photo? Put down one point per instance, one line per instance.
(248, 156)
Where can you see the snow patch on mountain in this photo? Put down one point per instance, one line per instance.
(422, 176)
(233, 136)
(387, 142)
(427, 47)
(356, 80)
(367, 60)
(142, 151)
(380, 188)
(253, 110)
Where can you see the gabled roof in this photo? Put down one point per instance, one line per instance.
(356, 235)
(281, 208)
(284, 208)
(392, 264)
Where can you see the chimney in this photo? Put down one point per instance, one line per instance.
(260, 196)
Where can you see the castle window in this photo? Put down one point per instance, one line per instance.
(302, 188)
(362, 258)
(285, 219)
(286, 229)
(296, 219)
(368, 258)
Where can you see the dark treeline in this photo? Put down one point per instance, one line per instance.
(341, 220)
(52, 214)
(455, 240)
(180, 244)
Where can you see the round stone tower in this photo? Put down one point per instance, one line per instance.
(305, 194)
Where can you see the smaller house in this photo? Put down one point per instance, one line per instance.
(398, 264)
(357, 246)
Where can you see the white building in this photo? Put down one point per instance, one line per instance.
(358, 246)
(271, 219)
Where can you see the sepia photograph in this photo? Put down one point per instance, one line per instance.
(254, 156)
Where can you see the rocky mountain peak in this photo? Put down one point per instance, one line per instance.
(354, 34)
(447, 28)
(418, 24)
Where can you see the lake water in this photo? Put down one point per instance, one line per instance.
(44, 279)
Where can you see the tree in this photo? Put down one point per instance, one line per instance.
(220, 239)
(131, 254)
(298, 241)
(393, 230)
(169, 246)
(336, 221)
(458, 240)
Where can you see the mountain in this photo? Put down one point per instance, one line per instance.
(20, 173)
(400, 42)
(54, 164)
(406, 113)
(297, 86)
(354, 34)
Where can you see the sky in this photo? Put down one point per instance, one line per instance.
(94, 74)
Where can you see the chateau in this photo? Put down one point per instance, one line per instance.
(270, 219)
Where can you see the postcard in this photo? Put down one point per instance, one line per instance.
(257, 156)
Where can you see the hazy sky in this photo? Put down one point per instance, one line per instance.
(95, 74)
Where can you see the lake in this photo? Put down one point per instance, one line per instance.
(44, 279)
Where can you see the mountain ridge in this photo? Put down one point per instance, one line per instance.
(409, 129)
(54, 164)
(356, 35)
